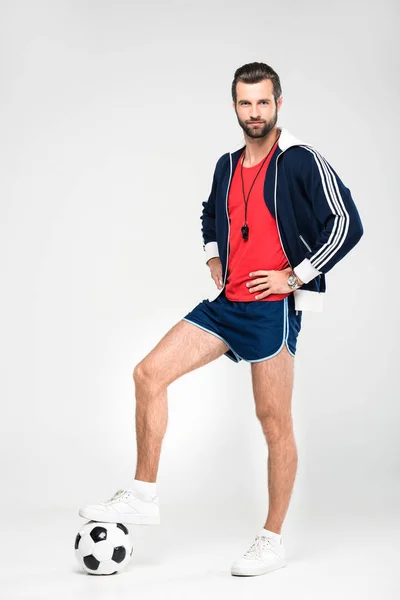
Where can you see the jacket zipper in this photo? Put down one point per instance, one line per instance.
(227, 216)
(276, 211)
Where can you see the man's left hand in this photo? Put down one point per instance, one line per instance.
(273, 282)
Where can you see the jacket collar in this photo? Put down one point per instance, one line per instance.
(286, 140)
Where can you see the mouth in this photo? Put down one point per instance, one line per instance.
(255, 123)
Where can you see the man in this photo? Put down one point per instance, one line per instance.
(278, 218)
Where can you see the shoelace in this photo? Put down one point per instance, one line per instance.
(261, 543)
(117, 496)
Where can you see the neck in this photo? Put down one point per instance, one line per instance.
(257, 149)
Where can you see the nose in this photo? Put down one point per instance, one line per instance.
(254, 114)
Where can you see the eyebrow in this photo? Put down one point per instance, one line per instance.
(261, 100)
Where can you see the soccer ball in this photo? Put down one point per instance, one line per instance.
(103, 548)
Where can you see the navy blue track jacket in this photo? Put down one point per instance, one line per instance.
(317, 219)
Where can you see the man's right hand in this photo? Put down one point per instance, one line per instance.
(216, 270)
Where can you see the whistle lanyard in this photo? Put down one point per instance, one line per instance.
(245, 227)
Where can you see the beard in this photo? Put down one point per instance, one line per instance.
(261, 130)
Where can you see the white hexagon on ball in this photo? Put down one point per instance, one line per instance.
(103, 550)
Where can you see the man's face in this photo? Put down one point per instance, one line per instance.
(255, 108)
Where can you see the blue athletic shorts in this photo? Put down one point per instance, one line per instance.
(255, 330)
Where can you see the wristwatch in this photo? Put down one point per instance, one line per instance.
(292, 281)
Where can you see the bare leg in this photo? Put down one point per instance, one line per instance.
(184, 347)
(272, 386)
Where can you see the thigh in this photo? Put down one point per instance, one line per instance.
(272, 381)
(183, 348)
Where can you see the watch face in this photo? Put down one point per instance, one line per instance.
(292, 279)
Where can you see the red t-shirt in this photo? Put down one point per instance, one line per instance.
(262, 250)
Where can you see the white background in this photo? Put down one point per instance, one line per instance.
(112, 117)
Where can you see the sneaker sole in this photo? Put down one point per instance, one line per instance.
(131, 519)
(243, 572)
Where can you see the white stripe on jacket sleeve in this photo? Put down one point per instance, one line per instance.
(337, 206)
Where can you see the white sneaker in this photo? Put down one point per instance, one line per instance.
(264, 555)
(124, 507)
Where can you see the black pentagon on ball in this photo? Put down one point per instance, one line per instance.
(98, 534)
(123, 528)
(119, 554)
(91, 562)
(77, 540)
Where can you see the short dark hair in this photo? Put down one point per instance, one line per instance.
(254, 73)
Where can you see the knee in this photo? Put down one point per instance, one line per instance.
(145, 375)
(275, 428)
(141, 373)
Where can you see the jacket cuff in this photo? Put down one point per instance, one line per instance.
(305, 271)
(211, 250)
